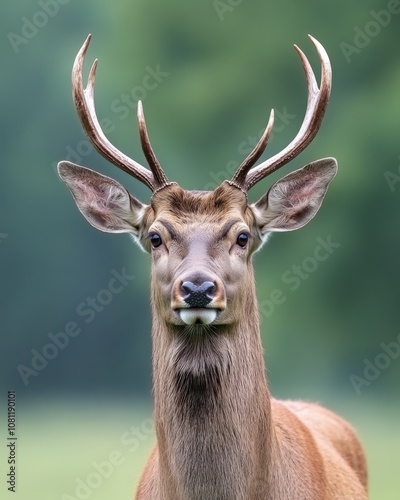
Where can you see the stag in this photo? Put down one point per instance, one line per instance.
(220, 434)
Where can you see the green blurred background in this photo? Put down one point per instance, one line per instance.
(220, 66)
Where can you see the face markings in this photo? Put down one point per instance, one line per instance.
(171, 230)
(207, 237)
(203, 254)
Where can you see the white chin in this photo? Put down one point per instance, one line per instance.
(200, 316)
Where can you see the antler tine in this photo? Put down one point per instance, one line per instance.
(85, 107)
(240, 175)
(159, 175)
(316, 105)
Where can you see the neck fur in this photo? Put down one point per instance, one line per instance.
(212, 407)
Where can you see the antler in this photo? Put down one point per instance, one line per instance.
(245, 176)
(84, 104)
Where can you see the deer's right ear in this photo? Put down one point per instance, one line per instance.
(103, 202)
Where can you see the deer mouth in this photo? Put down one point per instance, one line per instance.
(198, 315)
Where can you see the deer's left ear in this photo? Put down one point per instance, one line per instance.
(295, 199)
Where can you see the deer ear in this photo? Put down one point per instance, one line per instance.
(295, 199)
(103, 202)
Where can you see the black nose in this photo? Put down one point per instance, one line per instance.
(198, 296)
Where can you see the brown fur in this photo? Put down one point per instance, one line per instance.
(220, 435)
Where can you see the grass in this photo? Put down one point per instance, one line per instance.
(63, 446)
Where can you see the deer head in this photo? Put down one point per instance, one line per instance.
(201, 242)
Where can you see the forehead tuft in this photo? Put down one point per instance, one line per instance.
(216, 204)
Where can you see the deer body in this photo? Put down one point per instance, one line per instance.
(220, 435)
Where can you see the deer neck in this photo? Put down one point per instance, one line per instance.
(212, 407)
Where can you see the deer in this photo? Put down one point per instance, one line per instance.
(220, 435)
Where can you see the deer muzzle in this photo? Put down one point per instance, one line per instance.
(198, 298)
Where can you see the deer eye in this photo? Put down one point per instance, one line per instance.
(155, 240)
(242, 239)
